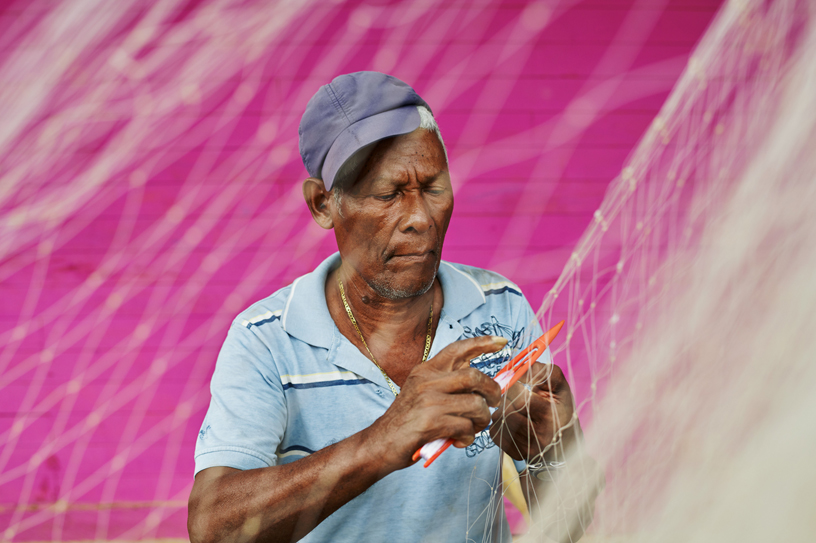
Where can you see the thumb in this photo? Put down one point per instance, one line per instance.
(459, 353)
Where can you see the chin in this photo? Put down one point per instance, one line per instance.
(393, 290)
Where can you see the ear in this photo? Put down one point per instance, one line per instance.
(318, 200)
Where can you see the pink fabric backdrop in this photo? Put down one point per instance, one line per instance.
(112, 312)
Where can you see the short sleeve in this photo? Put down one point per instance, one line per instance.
(526, 320)
(247, 415)
(532, 329)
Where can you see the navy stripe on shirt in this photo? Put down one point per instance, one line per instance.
(296, 448)
(321, 384)
(270, 319)
(501, 290)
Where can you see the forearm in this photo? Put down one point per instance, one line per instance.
(283, 503)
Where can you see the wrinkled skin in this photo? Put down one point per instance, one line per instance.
(393, 220)
(390, 226)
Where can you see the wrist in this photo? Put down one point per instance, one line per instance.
(552, 460)
(566, 443)
(546, 470)
(379, 452)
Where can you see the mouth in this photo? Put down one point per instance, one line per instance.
(413, 256)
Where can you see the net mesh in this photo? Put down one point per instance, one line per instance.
(144, 145)
(687, 299)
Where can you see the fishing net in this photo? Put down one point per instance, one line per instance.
(689, 299)
(149, 167)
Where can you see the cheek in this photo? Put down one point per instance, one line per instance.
(442, 216)
(361, 233)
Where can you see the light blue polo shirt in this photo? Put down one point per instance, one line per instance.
(287, 383)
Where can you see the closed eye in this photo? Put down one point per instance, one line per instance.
(386, 197)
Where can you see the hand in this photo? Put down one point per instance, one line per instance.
(527, 420)
(442, 398)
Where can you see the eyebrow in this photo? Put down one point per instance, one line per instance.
(397, 184)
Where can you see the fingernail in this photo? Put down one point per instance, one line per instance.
(499, 341)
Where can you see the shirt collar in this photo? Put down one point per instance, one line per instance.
(306, 315)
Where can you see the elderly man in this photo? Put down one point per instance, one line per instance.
(323, 391)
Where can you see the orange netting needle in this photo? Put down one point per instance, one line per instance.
(506, 377)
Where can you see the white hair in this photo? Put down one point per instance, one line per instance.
(427, 121)
(350, 169)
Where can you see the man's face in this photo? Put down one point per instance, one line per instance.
(394, 217)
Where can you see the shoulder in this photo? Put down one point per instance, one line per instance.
(257, 330)
(502, 310)
(265, 311)
(488, 282)
(478, 296)
(256, 339)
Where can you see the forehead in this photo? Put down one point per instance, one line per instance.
(416, 154)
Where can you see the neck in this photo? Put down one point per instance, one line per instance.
(375, 312)
(395, 331)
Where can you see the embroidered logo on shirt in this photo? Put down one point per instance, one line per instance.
(481, 442)
(490, 364)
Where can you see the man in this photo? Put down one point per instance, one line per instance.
(323, 391)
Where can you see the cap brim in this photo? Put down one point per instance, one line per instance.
(364, 132)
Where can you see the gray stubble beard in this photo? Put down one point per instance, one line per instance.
(389, 292)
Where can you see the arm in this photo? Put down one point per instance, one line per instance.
(282, 503)
(443, 397)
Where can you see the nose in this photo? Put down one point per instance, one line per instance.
(417, 214)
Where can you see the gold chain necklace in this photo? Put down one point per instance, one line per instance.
(359, 333)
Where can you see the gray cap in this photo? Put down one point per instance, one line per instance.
(353, 111)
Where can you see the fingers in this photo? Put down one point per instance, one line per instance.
(462, 378)
(459, 353)
(472, 407)
(471, 380)
(465, 416)
(509, 434)
(462, 432)
(533, 411)
(521, 401)
(538, 406)
(546, 380)
(546, 377)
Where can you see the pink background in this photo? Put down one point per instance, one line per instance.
(112, 310)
